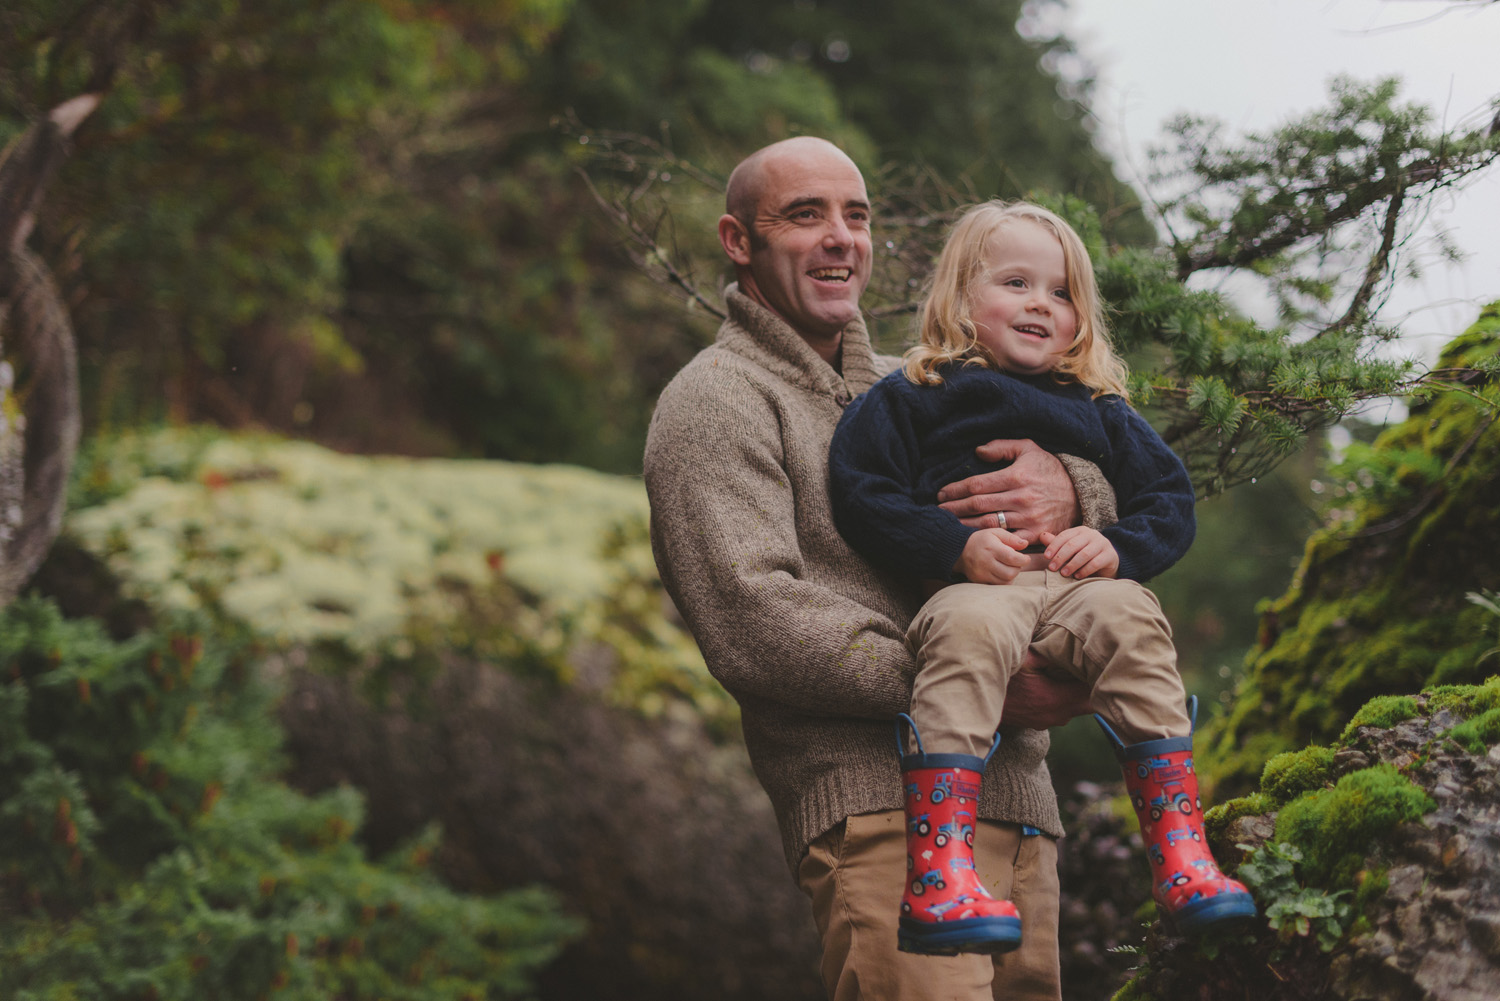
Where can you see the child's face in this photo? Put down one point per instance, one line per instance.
(1020, 303)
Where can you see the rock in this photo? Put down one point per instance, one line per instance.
(1349, 760)
(1484, 930)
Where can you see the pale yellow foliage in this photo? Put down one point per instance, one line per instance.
(308, 544)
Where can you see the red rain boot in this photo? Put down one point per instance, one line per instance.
(946, 909)
(1163, 788)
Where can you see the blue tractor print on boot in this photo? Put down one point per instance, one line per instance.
(932, 878)
(957, 830)
(1172, 798)
(1176, 879)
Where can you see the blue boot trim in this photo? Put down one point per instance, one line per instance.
(1151, 748)
(948, 938)
(922, 759)
(1197, 916)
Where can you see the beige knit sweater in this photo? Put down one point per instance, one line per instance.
(806, 635)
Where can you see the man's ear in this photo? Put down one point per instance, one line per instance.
(735, 239)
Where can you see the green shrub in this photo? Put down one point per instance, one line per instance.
(147, 849)
(1291, 909)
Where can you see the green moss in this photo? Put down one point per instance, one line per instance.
(1293, 773)
(1135, 990)
(1370, 886)
(1383, 711)
(1379, 605)
(1248, 757)
(1216, 819)
(1476, 734)
(1334, 826)
(1465, 700)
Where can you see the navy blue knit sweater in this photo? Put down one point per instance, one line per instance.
(899, 443)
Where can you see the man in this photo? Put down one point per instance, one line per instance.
(808, 637)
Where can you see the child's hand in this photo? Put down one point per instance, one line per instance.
(992, 556)
(1079, 553)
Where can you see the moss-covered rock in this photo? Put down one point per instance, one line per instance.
(1389, 860)
(1295, 772)
(1379, 605)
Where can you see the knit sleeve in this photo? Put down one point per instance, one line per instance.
(1153, 492)
(873, 467)
(724, 532)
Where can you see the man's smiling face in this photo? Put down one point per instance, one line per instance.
(807, 254)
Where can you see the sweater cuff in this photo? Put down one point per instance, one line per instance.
(1096, 497)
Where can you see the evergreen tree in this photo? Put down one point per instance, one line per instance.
(1321, 211)
(147, 850)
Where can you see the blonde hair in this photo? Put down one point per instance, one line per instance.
(946, 322)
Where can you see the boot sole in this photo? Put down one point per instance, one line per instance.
(1201, 915)
(986, 936)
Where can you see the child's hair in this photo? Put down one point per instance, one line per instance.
(946, 322)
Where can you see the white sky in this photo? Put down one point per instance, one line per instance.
(1255, 64)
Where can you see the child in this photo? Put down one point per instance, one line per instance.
(1013, 345)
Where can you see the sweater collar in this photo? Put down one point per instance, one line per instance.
(755, 332)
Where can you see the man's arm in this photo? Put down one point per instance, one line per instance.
(724, 532)
(1038, 492)
(1036, 701)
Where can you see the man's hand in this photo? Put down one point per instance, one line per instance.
(1037, 701)
(1081, 552)
(1033, 492)
(992, 556)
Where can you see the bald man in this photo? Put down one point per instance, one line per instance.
(807, 636)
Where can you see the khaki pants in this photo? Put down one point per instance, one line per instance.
(1111, 634)
(855, 875)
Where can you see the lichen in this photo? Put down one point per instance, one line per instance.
(371, 560)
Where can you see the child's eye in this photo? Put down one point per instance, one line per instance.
(1063, 294)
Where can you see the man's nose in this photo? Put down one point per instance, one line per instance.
(838, 233)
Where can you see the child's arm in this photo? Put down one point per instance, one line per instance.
(873, 466)
(1080, 552)
(1153, 492)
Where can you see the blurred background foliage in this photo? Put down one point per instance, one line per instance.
(294, 234)
(354, 221)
